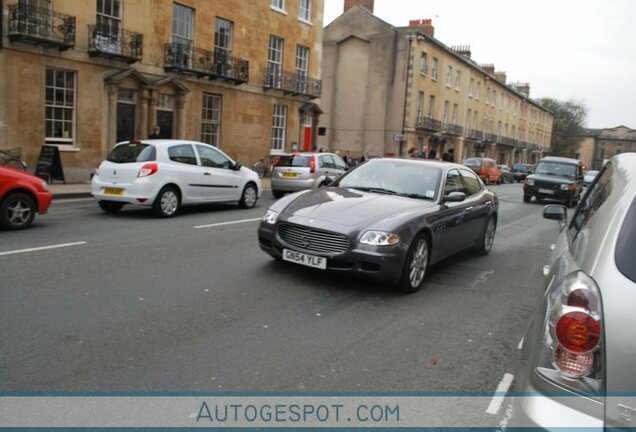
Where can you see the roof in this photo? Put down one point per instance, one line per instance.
(561, 160)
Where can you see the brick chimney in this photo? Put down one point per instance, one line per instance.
(425, 25)
(367, 4)
(501, 77)
(489, 68)
(523, 88)
(462, 50)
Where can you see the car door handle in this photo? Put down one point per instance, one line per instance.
(468, 208)
(488, 202)
(206, 173)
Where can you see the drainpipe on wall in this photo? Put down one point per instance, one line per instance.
(408, 82)
(1, 22)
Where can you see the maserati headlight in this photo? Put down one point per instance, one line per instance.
(379, 238)
(270, 217)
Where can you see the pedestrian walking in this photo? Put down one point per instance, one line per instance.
(449, 156)
(155, 132)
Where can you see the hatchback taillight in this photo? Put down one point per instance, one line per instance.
(572, 340)
(148, 169)
(312, 164)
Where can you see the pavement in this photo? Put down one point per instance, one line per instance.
(83, 190)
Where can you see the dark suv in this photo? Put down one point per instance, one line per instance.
(556, 178)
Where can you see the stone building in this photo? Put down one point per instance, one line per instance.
(387, 89)
(597, 145)
(83, 75)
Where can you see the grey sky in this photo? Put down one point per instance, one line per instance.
(566, 49)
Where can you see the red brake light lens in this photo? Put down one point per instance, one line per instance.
(148, 169)
(312, 165)
(578, 332)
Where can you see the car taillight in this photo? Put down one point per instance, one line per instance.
(312, 165)
(147, 170)
(578, 332)
(571, 353)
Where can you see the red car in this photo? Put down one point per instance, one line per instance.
(22, 195)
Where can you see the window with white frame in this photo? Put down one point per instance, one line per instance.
(434, 69)
(458, 79)
(60, 106)
(279, 125)
(446, 109)
(275, 61)
(478, 90)
(278, 5)
(304, 10)
(424, 63)
(475, 119)
(211, 119)
(470, 87)
(108, 36)
(302, 64)
(182, 31)
(420, 105)
(431, 106)
(449, 75)
(454, 117)
(223, 37)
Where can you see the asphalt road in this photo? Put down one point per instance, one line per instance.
(190, 304)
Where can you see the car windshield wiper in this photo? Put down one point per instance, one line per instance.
(418, 196)
(374, 190)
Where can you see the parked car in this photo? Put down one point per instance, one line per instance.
(22, 195)
(521, 171)
(485, 168)
(166, 174)
(388, 219)
(506, 173)
(555, 178)
(577, 366)
(300, 171)
(589, 177)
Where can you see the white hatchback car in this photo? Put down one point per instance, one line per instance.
(577, 369)
(166, 174)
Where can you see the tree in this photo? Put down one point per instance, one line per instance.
(569, 120)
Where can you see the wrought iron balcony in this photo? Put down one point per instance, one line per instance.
(428, 124)
(205, 63)
(452, 129)
(510, 142)
(292, 83)
(41, 26)
(122, 45)
(475, 134)
(488, 137)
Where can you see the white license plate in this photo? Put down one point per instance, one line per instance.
(305, 259)
(546, 191)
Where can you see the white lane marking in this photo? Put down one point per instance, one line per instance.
(43, 248)
(500, 394)
(520, 346)
(71, 200)
(227, 223)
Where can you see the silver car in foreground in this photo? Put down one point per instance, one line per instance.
(578, 363)
(300, 171)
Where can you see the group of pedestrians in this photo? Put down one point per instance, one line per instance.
(448, 156)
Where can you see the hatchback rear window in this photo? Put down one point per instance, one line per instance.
(132, 152)
(294, 161)
(519, 167)
(472, 162)
(626, 245)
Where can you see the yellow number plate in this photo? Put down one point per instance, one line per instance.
(113, 191)
(290, 175)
